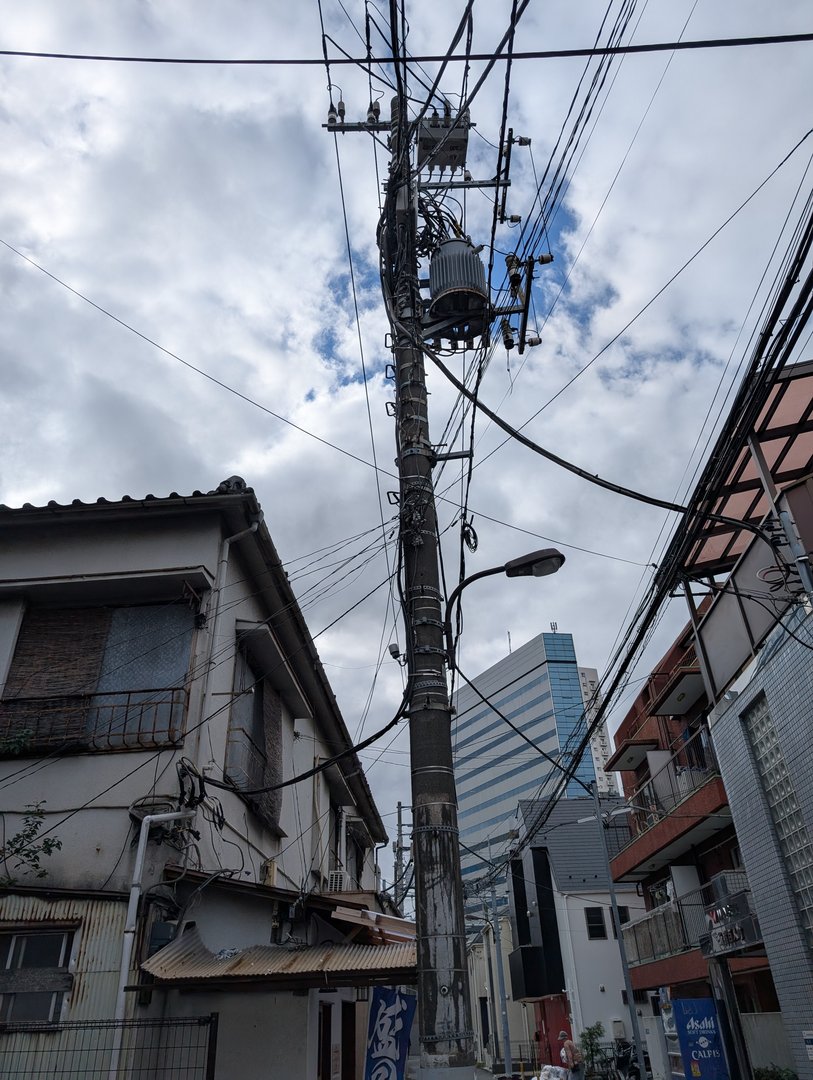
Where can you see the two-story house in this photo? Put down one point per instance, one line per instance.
(189, 840)
(566, 961)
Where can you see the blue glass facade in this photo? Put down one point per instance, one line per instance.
(537, 688)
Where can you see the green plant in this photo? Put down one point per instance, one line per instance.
(774, 1072)
(25, 850)
(589, 1044)
(13, 745)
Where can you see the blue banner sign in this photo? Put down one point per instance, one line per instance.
(698, 1033)
(391, 1013)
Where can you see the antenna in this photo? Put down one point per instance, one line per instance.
(509, 641)
(554, 626)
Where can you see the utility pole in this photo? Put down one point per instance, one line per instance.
(508, 1061)
(447, 1038)
(398, 850)
(492, 997)
(625, 968)
(459, 311)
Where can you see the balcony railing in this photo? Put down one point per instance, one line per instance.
(689, 768)
(678, 926)
(123, 720)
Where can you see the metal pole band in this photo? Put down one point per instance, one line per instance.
(437, 829)
(451, 1036)
(424, 590)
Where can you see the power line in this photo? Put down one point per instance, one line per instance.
(363, 61)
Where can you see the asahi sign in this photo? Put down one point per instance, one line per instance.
(732, 925)
(698, 1033)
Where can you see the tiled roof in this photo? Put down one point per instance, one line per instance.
(234, 485)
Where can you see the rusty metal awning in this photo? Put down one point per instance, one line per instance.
(784, 433)
(188, 962)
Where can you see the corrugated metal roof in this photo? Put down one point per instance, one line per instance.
(188, 959)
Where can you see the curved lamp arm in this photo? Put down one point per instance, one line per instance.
(536, 564)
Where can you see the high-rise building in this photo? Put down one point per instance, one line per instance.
(599, 740)
(538, 688)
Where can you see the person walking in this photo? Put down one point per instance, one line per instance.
(571, 1057)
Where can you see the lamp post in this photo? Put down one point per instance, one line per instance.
(541, 563)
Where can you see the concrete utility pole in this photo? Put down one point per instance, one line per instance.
(625, 968)
(398, 850)
(508, 1061)
(447, 1038)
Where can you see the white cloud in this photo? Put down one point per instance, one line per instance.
(201, 205)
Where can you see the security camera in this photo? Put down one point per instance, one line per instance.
(395, 651)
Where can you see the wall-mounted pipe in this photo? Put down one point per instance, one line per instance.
(131, 924)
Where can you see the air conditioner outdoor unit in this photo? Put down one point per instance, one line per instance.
(336, 881)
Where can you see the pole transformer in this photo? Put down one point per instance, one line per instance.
(447, 1038)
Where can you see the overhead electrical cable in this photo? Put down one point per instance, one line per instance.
(180, 360)
(358, 61)
(500, 423)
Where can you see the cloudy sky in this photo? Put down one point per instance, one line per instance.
(201, 207)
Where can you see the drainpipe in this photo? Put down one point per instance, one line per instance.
(341, 854)
(131, 925)
(377, 868)
(220, 582)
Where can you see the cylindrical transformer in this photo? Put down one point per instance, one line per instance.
(458, 297)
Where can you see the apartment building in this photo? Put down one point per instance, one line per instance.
(170, 897)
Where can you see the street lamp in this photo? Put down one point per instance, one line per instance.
(535, 564)
(541, 564)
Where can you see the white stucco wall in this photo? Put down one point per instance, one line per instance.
(66, 562)
(593, 974)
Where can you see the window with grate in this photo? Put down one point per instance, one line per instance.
(254, 740)
(596, 927)
(791, 830)
(34, 976)
(99, 678)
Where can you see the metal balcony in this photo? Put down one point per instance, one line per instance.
(689, 768)
(678, 926)
(123, 720)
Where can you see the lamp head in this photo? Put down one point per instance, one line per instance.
(536, 564)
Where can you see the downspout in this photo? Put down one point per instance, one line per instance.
(341, 854)
(131, 925)
(220, 582)
(377, 870)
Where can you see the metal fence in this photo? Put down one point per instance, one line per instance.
(121, 720)
(689, 768)
(169, 1049)
(677, 926)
